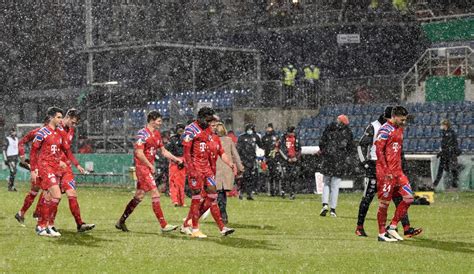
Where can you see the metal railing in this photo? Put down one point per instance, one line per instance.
(437, 61)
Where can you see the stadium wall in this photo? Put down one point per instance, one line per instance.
(281, 118)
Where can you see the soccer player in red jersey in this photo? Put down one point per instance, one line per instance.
(68, 183)
(34, 180)
(389, 173)
(199, 159)
(146, 146)
(46, 161)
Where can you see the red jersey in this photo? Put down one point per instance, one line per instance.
(196, 152)
(29, 137)
(46, 148)
(149, 142)
(67, 156)
(290, 144)
(388, 147)
(216, 149)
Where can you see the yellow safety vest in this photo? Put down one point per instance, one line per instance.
(290, 76)
(311, 74)
(374, 4)
(400, 5)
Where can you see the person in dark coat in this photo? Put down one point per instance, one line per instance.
(247, 149)
(270, 142)
(449, 154)
(336, 147)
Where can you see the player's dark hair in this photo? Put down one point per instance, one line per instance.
(291, 129)
(51, 112)
(179, 126)
(205, 112)
(399, 111)
(387, 113)
(152, 116)
(73, 113)
(249, 126)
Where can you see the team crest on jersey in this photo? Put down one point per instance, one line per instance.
(395, 147)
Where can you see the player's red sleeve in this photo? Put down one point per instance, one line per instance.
(380, 145)
(25, 140)
(221, 150)
(35, 151)
(71, 157)
(188, 161)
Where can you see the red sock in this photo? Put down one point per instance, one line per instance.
(382, 217)
(53, 210)
(206, 204)
(30, 197)
(194, 210)
(158, 212)
(75, 211)
(401, 211)
(129, 209)
(43, 207)
(216, 214)
(37, 209)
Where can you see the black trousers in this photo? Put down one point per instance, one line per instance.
(273, 177)
(12, 162)
(290, 177)
(249, 180)
(222, 202)
(449, 165)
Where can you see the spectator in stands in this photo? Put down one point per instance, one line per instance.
(449, 154)
(247, 148)
(225, 175)
(85, 146)
(311, 77)
(336, 147)
(289, 77)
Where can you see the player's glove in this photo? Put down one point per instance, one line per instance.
(25, 164)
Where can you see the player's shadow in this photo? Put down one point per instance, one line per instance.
(229, 241)
(452, 246)
(234, 242)
(248, 226)
(73, 238)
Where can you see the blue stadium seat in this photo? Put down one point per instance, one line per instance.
(412, 132)
(470, 131)
(412, 145)
(421, 146)
(468, 118)
(434, 119)
(419, 132)
(462, 130)
(465, 144)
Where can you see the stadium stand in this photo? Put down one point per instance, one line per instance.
(422, 134)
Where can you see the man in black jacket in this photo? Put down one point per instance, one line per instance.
(336, 146)
(449, 154)
(247, 148)
(269, 142)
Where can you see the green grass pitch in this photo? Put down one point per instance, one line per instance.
(272, 235)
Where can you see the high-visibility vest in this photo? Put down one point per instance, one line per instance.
(311, 74)
(374, 4)
(290, 76)
(400, 5)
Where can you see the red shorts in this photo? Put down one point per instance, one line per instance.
(397, 186)
(48, 176)
(201, 182)
(146, 180)
(67, 180)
